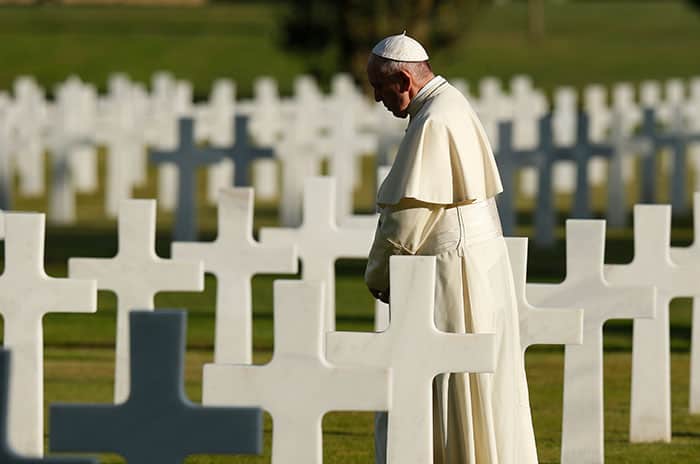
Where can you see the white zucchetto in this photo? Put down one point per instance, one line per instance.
(400, 47)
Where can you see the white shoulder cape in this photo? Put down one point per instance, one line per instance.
(445, 156)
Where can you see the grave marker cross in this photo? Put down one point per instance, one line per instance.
(416, 352)
(234, 258)
(62, 194)
(650, 409)
(581, 153)
(157, 423)
(243, 153)
(187, 157)
(320, 241)
(136, 274)
(677, 143)
(7, 454)
(298, 386)
(27, 294)
(586, 287)
(623, 144)
(510, 160)
(688, 256)
(540, 326)
(344, 145)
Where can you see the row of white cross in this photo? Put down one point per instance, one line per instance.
(591, 294)
(303, 130)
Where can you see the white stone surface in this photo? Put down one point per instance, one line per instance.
(119, 130)
(298, 386)
(30, 165)
(492, 108)
(31, 119)
(345, 146)
(164, 135)
(62, 190)
(690, 256)
(234, 258)
(650, 408)
(83, 165)
(320, 241)
(671, 110)
(219, 176)
(527, 109)
(541, 326)
(564, 120)
(650, 94)
(626, 115)
(219, 131)
(77, 102)
(596, 106)
(135, 275)
(265, 175)
(416, 352)
(27, 294)
(300, 158)
(586, 287)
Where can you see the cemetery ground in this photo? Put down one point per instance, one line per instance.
(79, 348)
(586, 42)
(631, 42)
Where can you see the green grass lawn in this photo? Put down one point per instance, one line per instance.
(586, 42)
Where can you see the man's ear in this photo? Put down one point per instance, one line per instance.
(404, 80)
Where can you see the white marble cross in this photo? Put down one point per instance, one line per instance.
(650, 94)
(119, 131)
(595, 105)
(76, 102)
(492, 106)
(586, 287)
(650, 408)
(320, 241)
(564, 123)
(234, 258)
(27, 294)
(31, 119)
(528, 108)
(300, 159)
(416, 352)
(299, 385)
(626, 116)
(540, 326)
(62, 191)
(61, 142)
(135, 275)
(345, 144)
(684, 256)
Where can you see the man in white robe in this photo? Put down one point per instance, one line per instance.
(438, 200)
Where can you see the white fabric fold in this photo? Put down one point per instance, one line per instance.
(445, 156)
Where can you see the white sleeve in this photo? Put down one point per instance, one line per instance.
(401, 230)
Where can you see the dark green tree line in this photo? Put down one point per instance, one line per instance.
(338, 35)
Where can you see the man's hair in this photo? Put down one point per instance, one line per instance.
(420, 70)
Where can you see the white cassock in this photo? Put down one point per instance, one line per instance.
(438, 200)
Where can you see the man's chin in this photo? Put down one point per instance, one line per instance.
(400, 114)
